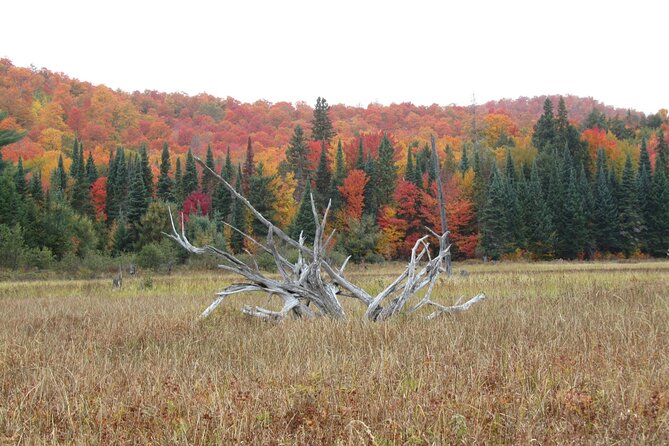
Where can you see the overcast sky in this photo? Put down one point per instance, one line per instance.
(353, 52)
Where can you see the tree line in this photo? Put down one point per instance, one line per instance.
(562, 203)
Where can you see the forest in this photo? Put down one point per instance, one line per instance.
(88, 172)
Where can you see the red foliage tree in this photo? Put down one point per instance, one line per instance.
(353, 191)
(197, 201)
(99, 198)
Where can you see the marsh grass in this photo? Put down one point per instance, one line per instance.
(569, 353)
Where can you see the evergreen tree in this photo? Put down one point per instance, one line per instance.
(360, 160)
(10, 200)
(338, 177)
(662, 158)
(8, 136)
(222, 198)
(495, 234)
(644, 188)
(207, 178)
(464, 160)
(238, 218)
(262, 198)
(386, 173)
(298, 161)
(304, 219)
(20, 178)
(371, 204)
(117, 186)
(60, 178)
(165, 183)
(510, 169)
(80, 199)
(628, 205)
(321, 126)
(77, 162)
(36, 189)
(111, 209)
(605, 212)
(138, 203)
(658, 224)
(572, 226)
(540, 231)
(147, 173)
(178, 193)
(568, 138)
(544, 129)
(249, 169)
(410, 173)
(91, 171)
(323, 180)
(189, 181)
(479, 186)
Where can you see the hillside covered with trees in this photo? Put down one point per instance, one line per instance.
(87, 170)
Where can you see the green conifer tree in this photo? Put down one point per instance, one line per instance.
(207, 177)
(238, 218)
(165, 183)
(628, 210)
(321, 126)
(304, 219)
(91, 171)
(249, 169)
(544, 130)
(662, 158)
(178, 193)
(297, 159)
(323, 180)
(360, 159)
(658, 224)
(385, 178)
(338, 177)
(189, 182)
(147, 173)
(20, 178)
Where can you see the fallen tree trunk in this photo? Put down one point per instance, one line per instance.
(312, 286)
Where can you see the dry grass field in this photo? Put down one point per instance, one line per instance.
(560, 353)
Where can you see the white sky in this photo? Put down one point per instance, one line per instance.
(353, 52)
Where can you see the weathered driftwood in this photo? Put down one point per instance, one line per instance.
(311, 286)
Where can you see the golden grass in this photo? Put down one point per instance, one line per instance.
(567, 353)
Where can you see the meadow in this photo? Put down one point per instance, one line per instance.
(560, 353)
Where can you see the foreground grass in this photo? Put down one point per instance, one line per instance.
(560, 353)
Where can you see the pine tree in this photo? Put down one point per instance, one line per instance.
(338, 177)
(662, 158)
(165, 183)
(207, 177)
(111, 210)
(20, 178)
(321, 126)
(386, 173)
(544, 130)
(77, 162)
(91, 170)
(238, 218)
(297, 158)
(510, 169)
(567, 137)
(189, 181)
(323, 180)
(495, 235)
(628, 205)
(540, 231)
(572, 227)
(147, 173)
(304, 219)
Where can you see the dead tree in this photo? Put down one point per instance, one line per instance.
(312, 286)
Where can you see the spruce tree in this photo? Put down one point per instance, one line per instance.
(321, 126)
(76, 159)
(662, 158)
(304, 219)
(495, 235)
(61, 177)
(80, 199)
(386, 173)
(658, 224)
(510, 169)
(449, 164)
(644, 185)
(165, 183)
(111, 208)
(20, 178)
(262, 198)
(222, 198)
(36, 189)
(371, 205)
(410, 172)
(138, 202)
(249, 169)
(628, 205)
(207, 177)
(297, 157)
(568, 138)
(360, 159)
(540, 230)
(544, 129)
(323, 180)
(178, 193)
(605, 212)
(572, 229)
(338, 177)
(189, 181)
(147, 173)
(91, 171)
(464, 160)
(238, 218)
